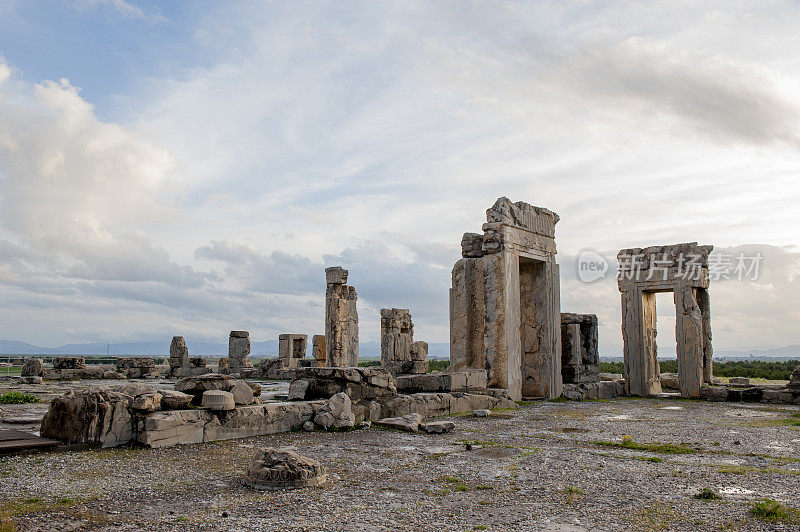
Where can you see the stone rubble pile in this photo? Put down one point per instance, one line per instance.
(274, 469)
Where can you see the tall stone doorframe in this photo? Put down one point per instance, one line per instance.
(400, 354)
(580, 357)
(644, 272)
(341, 320)
(505, 312)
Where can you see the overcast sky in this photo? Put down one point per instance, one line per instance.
(191, 167)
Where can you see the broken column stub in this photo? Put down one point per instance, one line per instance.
(400, 354)
(318, 349)
(239, 351)
(291, 349)
(580, 359)
(341, 320)
(683, 270)
(504, 302)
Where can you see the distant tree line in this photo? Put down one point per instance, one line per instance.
(754, 369)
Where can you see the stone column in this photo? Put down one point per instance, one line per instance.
(341, 320)
(318, 348)
(178, 353)
(239, 351)
(397, 337)
(689, 338)
(704, 302)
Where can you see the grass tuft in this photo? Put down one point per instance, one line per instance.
(707, 494)
(771, 511)
(665, 448)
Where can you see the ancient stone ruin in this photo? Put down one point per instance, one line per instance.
(318, 349)
(505, 309)
(291, 349)
(180, 364)
(341, 320)
(239, 351)
(400, 354)
(580, 358)
(274, 469)
(136, 367)
(644, 272)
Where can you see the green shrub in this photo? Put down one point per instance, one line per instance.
(17, 398)
(707, 494)
(772, 511)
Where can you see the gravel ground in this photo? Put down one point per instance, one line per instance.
(542, 467)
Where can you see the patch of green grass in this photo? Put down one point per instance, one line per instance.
(482, 527)
(771, 511)
(33, 505)
(17, 398)
(707, 494)
(665, 448)
(574, 490)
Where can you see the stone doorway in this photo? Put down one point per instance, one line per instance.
(681, 269)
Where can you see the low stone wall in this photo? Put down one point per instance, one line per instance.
(752, 394)
(454, 381)
(95, 371)
(594, 390)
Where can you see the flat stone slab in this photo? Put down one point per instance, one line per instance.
(13, 441)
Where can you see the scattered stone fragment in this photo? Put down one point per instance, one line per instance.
(297, 390)
(308, 426)
(197, 385)
(218, 400)
(408, 423)
(481, 413)
(242, 393)
(365, 425)
(147, 402)
(274, 469)
(336, 414)
(174, 400)
(97, 416)
(437, 427)
(33, 367)
(30, 380)
(794, 381)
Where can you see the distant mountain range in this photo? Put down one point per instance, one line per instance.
(196, 348)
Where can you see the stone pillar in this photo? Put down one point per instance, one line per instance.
(341, 320)
(291, 348)
(689, 337)
(704, 302)
(318, 347)
(178, 353)
(399, 353)
(239, 351)
(580, 358)
(639, 343)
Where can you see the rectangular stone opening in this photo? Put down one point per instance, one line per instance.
(297, 348)
(532, 294)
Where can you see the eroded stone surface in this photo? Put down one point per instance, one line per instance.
(291, 349)
(357, 383)
(341, 320)
(274, 469)
(239, 351)
(337, 414)
(218, 400)
(97, 416)
(408, 422)
(33, 367)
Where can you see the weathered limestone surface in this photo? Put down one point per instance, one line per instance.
(291, 349)
(274, 469)
(580, 358)
(400, 354)
(357, 383)
(341, 320)
(794, 381)
(272, 368)
(336, 414)
(594, 390)
(69, 363)
(136, 367)
(33, 367)
(318, 348)
(98, 417)
(505, 304)
(178, 353)
(239, 351)
(408, 422)
(442, 404)
(196, 386)
(473, 380)
(683, 270)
